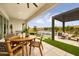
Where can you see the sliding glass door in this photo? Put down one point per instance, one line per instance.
(3, 26)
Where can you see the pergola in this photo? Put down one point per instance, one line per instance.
(70, 15)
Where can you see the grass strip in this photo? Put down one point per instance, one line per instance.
(66, 47)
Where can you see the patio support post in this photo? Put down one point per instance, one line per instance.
(63, 26)
(53, 29)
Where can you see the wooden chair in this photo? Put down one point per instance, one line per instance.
(37, 44)
(9, 48)
(3, 49)
(6, 49)
(3, 46)
(13, 50)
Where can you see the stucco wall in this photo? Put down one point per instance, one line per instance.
(17, 25)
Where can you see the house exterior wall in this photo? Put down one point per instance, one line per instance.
(16, 24)
(3, 26)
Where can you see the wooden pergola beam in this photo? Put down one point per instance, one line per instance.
(53, 24)
(63, 28)
(70, 15)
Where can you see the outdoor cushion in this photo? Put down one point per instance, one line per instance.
(3, 47)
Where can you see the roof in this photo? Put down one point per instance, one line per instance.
(22, 12)
(70, 15)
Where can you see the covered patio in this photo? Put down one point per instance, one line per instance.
(18, 20)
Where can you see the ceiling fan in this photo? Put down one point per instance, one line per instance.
(29, 5)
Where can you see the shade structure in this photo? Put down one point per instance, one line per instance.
(70, 15)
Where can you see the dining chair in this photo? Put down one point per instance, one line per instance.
(3, 49)
(3, 46)
(37, 44)
(9, 48)
(6, 49)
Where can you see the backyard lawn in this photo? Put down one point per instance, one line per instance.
(66, 47)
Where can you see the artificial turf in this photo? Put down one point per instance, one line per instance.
(66, 47)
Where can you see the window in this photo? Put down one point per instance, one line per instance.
(3, 26)
(0, 26)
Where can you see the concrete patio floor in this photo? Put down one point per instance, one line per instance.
(48, 51)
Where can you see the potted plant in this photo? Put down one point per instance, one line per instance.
(25, 30)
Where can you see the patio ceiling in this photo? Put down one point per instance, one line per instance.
(22, 12)
(70, 15)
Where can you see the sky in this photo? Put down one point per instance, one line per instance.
(44, 20)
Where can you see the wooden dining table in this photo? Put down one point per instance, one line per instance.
(23, 41)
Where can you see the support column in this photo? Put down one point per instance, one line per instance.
(63, 26)
(53, 29)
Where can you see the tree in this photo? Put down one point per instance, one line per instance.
(56, 29)
(45, 28)
(69, 29)
(35, 29)
(76, 32)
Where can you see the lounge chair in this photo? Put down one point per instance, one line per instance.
(61, 35)
(72, 37)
